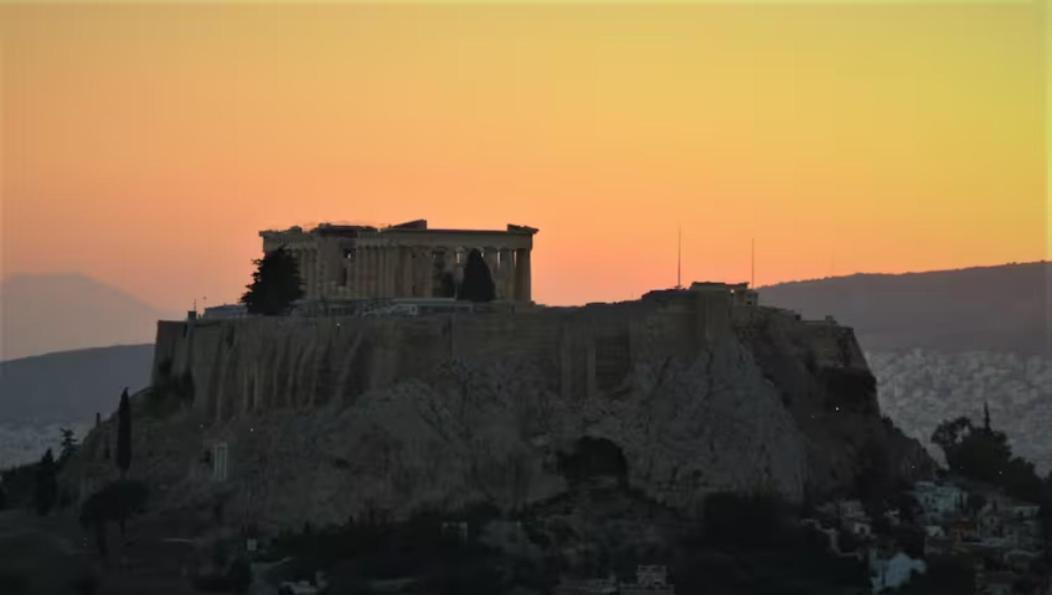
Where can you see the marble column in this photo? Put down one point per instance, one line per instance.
(506, 282)
(356, 273)
(406, 262)
(389, 276)
(381, 278)
(367, 272)
(378, 277)
(449, 264)
(522, 275)
(425, 264)
(362, 261)
(489, 255)
(312, 273)
(421, 262)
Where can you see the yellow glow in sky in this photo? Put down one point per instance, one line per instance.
(145, 145)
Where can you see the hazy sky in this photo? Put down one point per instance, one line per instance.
(147, 145)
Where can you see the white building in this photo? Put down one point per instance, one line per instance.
(892, 572)
(939, 500)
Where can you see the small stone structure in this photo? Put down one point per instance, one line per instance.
(739, 291)
(409, 260)
(650, 580)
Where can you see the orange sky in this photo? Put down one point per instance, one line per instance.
(146, 145)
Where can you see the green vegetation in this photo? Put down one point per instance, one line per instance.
(69, 445)
(124, 434)
(1045, 515)
(276, 284)
(983, 454)
(751, 543)
(19, 484)
(231, 575)
(375, 550)
(478, 281)
(170, 392)
(742, 521)
(946, 575)
(114, 503)
(45, 492)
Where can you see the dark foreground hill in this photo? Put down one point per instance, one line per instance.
(70, 386)
(1001, 308)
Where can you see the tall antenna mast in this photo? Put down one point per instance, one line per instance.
(752, 270)
(679, 256)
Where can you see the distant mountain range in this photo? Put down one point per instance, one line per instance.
(1001, 308)
(47, 313)
(71, 385)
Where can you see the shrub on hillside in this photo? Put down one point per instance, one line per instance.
(745, 520)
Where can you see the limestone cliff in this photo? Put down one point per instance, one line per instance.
(325, 418)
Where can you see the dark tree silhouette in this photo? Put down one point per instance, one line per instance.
(69, 445)
(1045, 515)
(276, 284)
(983, 454)
(448, 286)
(45, 491)
(124, 434)
(478, 282)
(116, 502)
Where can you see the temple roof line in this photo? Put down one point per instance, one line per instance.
(416, 225)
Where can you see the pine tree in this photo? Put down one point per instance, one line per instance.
(276, 284)
(124, 434)
(1045, 514)
(46, 489)
(69, 445)
(478, 282)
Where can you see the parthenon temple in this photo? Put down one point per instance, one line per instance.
(339, 262)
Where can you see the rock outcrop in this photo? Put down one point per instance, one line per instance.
(322, 419)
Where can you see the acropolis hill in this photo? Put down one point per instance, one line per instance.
(282, 420)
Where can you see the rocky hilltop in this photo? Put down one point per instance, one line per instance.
(281, 421)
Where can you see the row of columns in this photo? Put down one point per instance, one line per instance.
(409, 271)
(307, 262)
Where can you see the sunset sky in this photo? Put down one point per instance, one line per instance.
(145, 145)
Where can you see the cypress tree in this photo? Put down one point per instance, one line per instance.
(478, 282)
(124, 434)
(276, 284)
(46, 489)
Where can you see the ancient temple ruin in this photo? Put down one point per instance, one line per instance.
(409, 260)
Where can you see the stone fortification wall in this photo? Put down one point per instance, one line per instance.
(251, 365)
(326, 418)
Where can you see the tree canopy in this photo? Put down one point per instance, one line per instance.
(45, 492)
(478, 282)
(276, 284)
(69, 445)
(116, 502)
(983, 454)
(1045, 513)
(124, 434)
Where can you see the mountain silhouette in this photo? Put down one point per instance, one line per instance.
(46, 313)
(71, 386)
(1001, 308)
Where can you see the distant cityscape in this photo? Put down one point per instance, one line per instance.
(919, 389)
